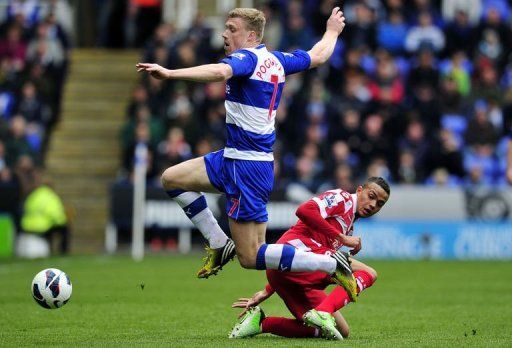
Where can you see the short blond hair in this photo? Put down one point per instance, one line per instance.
(254, 19)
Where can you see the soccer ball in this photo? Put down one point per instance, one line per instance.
(51, 288)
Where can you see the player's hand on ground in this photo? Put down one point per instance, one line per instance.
(353, 242)
(336, 21)
(154, 70)
(247, 303)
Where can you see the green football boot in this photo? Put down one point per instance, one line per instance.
(249, 325)
(325, 322)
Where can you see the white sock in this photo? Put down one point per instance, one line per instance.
(286, 258)
(210, 229)
(308, 261)
(194, 205)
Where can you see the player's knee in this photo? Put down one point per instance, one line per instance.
(372, 272)
(168, 179)
(246, 261)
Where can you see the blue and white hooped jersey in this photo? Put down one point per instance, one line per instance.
(252, 98)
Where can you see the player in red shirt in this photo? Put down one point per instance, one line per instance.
(326, 223)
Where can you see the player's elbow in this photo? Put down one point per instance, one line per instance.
(317, 60)
(300, 212)
(223, 72)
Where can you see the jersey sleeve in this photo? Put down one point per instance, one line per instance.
(297, 61)
(242, 62)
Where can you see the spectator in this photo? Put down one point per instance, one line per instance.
(375, 143)
(297, 34)
(173, 150)
(387, 85)
(480, 131)
(406, 172)
(14, 48)
(471, 9)
(424, 35)
(391, 33)
(17, 142)
(45, 50)
(415, 142)
(44, 214)
(5, 171)
(444, 152)
(363, 31)
(460, 34)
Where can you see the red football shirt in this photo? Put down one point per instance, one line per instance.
(322, 219)
(337, 208)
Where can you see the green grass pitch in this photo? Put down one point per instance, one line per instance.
(414, 303)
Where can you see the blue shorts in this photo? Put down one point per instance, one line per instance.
(247, 185)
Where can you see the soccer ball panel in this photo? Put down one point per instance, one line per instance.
(51, 288)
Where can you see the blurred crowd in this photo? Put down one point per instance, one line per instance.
(34, 48)
(418, 92)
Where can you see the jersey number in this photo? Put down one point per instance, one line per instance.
(275, 81)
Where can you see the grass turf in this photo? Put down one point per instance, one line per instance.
(414, 303)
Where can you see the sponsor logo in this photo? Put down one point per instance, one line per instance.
(330, 201)
(238, 55)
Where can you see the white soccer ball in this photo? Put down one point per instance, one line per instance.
(51, 288)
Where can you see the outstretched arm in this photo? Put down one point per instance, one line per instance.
(255, 300)
(323, 49)
(201, 73)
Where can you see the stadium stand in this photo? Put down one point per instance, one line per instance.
(406, 95)
(34, 51)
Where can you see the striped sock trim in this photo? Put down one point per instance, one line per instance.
(260, 258)
(175, 193)
(285, 263)
(195, 207)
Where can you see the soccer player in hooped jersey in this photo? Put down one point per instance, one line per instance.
(243, 170)
(321, 220)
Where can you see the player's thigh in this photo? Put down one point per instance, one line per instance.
(190, 175)
(360, 266)
(300, 300)
(247, 238)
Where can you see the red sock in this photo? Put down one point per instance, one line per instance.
(364, 280)
(286, 327)
(338, 298)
